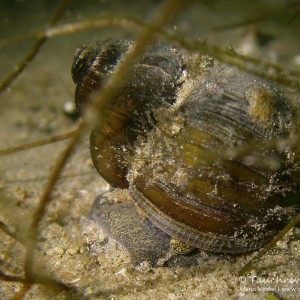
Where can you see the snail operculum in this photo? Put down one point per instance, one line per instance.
(160, 133)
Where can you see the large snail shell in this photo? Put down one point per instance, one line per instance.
(155, 136)
(153, 81)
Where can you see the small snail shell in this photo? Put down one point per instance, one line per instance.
(156, 133)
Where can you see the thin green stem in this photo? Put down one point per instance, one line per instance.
(170, 9)
(269, 245)
(35, 49)
(52, 139)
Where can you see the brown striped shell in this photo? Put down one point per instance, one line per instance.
(170, 136)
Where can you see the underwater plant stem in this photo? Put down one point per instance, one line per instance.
(257, 66)
(46, 197)
(11, 232)
(269, 245)
(35, 49)
(170, 9)
(52, 139)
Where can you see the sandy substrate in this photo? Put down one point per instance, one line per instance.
(72, 249)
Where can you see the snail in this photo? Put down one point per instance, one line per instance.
(155, 136)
